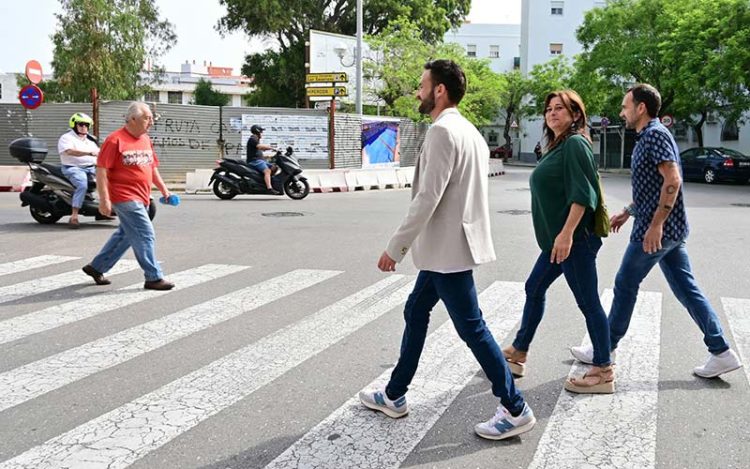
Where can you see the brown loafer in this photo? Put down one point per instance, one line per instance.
(160, 284)
(98, 277)
(73, 224)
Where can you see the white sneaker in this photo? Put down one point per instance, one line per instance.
(377, 399)
(583, 353)
(503, 425)
(718, 364)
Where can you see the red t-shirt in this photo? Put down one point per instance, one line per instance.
(130, 163)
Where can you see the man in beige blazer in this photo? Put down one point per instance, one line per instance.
(447, 228)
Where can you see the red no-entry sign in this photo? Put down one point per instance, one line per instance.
(34, 71)
(31, 97)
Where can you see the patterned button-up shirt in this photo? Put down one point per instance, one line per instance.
(655, 145)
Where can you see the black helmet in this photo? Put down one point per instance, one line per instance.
(256, 129)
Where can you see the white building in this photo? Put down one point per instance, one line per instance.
(500, 43)
(179, 87)
(8, 88)
(548, 29)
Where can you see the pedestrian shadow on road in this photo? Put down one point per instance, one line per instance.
(694, 384)
(34, 227)
(258, 456)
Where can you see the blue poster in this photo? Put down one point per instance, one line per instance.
(380, 142)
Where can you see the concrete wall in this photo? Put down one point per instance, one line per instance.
(186, 136)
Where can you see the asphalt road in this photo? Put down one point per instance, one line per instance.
(280, 317)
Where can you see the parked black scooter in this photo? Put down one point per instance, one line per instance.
(50, 195)
(234, 177)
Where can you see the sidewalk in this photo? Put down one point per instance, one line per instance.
(14, 178)
(339, 180)
(528, 164)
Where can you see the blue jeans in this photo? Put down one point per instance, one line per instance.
(674, 262)
(459, 295)
(580, 273)
(135, 231)
(260, 165)
(79, 177)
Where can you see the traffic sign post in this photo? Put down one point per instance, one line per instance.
(332, 91)
(34, 71)
(667, 120)
(31, 97)
(336, 77)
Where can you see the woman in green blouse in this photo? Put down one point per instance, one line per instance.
(563, 200)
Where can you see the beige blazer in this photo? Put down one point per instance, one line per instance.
(448, 223)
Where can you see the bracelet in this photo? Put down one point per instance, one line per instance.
(630, 210)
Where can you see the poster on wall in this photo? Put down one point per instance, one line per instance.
(380, 142)
(308, 135)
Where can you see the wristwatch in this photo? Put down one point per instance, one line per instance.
(630, 209)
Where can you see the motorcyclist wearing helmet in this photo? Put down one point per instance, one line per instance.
(255, 157)
(78, 151)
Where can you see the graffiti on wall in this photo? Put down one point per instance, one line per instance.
(308, 135)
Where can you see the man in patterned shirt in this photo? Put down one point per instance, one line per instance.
(659, 233)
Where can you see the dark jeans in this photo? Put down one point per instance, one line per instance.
(579, 270)
(458, 293)
(674, 262)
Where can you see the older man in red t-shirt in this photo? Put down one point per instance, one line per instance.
(126, 169)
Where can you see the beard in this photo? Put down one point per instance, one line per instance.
(428, 104)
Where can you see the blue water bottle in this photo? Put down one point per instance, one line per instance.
(173, 200)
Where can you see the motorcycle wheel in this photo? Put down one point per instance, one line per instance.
(296, 190)
(223, 190)
(45, 218)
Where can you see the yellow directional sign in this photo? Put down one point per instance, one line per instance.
(334, 91)
(338, 77)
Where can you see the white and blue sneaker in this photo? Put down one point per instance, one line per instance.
(503, 425)
(377, 399)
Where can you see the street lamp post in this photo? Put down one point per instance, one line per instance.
(358, 102)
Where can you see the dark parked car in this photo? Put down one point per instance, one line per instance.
(504, 152)
(711, 164)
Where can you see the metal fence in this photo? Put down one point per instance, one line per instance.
(188, 137)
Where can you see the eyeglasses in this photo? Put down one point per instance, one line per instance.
(84, 124)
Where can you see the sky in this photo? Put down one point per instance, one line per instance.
(25, 33)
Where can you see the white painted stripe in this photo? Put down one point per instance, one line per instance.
(65, 313)
(42, 285)
(42, 376)
(738, 315)
(32, 263)
(124, 435)
(354, 436)
(611, 430)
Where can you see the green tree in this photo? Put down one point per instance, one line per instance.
(403, 54)
(205, 95)
(279, 74)
(693, 51)
(514, 90)
(546, 78)
(104, 44)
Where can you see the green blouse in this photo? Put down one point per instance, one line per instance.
(565, 175)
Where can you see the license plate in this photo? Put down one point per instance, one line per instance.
(744, 164)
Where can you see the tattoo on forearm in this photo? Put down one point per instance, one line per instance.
(666, 207)
(671, 189)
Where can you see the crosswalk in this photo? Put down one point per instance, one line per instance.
(617, 431)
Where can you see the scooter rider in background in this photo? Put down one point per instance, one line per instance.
(255, 158)
(78, 153)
